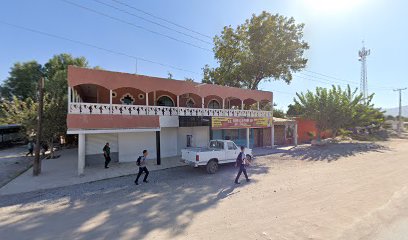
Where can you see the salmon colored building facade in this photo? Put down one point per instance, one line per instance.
(135, 112)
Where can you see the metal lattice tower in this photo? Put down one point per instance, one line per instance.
(363, 53)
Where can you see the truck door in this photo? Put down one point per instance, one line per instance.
(232, 151)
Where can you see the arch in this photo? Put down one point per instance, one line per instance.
(132, 92)
(190, 97)
(92, 93)
(214, 104)
(250, 104)
(165, 100)
(233, 103)
(209, 98)
(265, 105)
(155, 95)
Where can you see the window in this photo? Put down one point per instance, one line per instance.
(190, 103)
(189, 140)
(214, 104)
(141, 96)
(231, 146)
(165, 101)
(216, 145)
(114, 94)
(127, 99)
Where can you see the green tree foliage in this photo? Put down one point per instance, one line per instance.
(294, 110)
(265, 47)
(24, 110)
(22, 81)
(335, 108)
(279, 113)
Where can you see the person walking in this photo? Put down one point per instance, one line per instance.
(141, 162)
(106, 154)
(30, 147)
(241, 163)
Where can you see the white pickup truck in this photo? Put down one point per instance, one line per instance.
(217, 152)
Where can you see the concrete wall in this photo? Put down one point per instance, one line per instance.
(131, 145)
(94, 144)
(168, 142)
(201, 137)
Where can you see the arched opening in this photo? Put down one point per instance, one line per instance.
(165, 101)
(233, 103)
(250, 104)
(90, 93)
(213, 102)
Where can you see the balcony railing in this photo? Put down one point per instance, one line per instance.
(138, 110)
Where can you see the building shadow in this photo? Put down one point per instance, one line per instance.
(116, 208)
(333, 152)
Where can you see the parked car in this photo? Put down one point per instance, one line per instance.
(217, 152)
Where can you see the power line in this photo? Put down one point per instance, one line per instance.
(160, 18)
(150, 21)
(95, 47)
(134, 25)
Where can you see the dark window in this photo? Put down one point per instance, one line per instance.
(214, 104)
(165, 101)
(127, 99)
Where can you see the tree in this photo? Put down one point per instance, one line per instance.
(187, 79)
(169, 75)
(335, 108)
(22, 81)
(279, 113)
(294, 110)
(265, 47)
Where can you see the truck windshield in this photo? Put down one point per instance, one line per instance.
(216, 145)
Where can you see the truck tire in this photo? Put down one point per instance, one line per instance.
(212, 166)
(249, 157)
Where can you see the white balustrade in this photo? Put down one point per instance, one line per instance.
(139, 110)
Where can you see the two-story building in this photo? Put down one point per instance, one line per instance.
(135, 112)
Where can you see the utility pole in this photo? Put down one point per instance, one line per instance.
(363, 53)
(37, 160)
(400, 110)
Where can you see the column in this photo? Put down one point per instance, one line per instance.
(202, 102)
(257, 103)
(110, 101)
(147, 99)
(286, 131)
(247, 137)
(154, 98)
(81, 154)
(242, 104)
(223, 103)
(295, 134)
(69, 95)
(273, 135)
(178, 101)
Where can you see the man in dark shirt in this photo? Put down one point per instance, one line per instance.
(106, 154)
(241, 162)
(141, 162)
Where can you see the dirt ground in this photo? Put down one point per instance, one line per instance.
(342, 191)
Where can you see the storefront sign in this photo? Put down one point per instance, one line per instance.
(231, 122)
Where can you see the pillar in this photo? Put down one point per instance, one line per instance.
(286, 130)
(273, 135)
(69, 95)
(81, 154)
(158, 151)
(242, 104)
(257, 103)
(154, 98)
(295, 134)
(247, 137)
(110, 101)
(223, 103)
(147, 99)
(202, 102)
(178, 101)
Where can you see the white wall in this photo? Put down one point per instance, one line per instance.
(94, 143)
(201, 137)
(131, 145)
(169, 121)
(168, 142)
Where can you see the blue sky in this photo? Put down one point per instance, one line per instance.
(334, 30)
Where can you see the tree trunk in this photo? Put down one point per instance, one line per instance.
(319, 134)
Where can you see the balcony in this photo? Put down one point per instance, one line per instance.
(143, 110)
